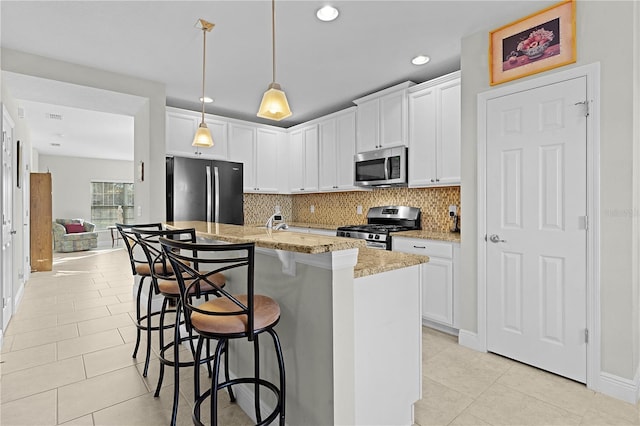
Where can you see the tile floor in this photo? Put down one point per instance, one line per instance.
(66, 359)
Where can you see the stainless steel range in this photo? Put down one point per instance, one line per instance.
(381, 222)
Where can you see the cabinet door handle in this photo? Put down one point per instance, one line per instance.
(420, 247)
(432, 180)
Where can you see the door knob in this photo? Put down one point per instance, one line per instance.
(496, 239)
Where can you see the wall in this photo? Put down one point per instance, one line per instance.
(149, 121)
(600, 25)
(71, 183)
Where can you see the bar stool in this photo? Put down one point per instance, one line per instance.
(140, 267)
(164, 283)
(230, 316)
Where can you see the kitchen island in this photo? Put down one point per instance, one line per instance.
(350, 325)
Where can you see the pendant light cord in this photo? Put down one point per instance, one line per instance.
(204, 53)
(273, 38)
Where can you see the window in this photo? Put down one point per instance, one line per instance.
(106, 199)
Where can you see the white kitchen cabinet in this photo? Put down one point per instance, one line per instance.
(303, 144)
(438, 276)
(257, 148)
(382, 118)
(434, 132)
(337, 146)
(181, 126)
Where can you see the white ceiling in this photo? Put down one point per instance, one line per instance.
(321, 66)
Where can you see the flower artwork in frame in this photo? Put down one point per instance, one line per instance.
(536, 43)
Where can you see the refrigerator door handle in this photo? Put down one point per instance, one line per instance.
(208, 172)
(216, 182)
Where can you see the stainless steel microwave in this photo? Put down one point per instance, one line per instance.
(382, 167)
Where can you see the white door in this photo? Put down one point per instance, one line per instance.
(7, 219)
(536, 227)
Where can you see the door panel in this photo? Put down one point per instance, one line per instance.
(536, 249)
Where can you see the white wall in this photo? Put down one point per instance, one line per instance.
(149, 121)
(71, 179)
(600, 25)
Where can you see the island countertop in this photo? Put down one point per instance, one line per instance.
(370, 261)
(269, 238)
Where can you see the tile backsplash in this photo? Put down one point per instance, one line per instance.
(340, 208)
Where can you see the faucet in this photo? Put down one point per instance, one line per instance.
(274, 217)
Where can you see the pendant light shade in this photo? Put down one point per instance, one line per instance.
(203, 137)
(274, 105)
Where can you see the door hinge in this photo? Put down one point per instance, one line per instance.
(585, 104)
(586, 335)
(584, 222)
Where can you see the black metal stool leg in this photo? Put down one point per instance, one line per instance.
(138, 317)
(165, 302)
(196, 378)
(176, 363)
(256, 367)
(232, 397)
(214, 381)
(276, 344)
(148, 352)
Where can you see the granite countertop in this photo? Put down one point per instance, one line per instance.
(313, 225)
(373, 261)
(453, 237)
(270, 238)
(370, 261)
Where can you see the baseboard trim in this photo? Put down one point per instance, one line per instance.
(440, 327)
(470, 340)
(18, 298)
(620, 388)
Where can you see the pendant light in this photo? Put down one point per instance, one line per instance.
(203, 137)
(274, 105)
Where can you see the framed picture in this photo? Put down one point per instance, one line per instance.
(536, 43)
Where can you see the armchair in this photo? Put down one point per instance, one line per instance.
(74, 235)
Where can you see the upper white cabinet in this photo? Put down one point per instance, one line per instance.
(303, 142)
(258, 149)
(434, 132)
(382, 118)
(337, 147)
(181, 126)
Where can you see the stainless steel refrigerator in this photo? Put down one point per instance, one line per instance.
(206, 190)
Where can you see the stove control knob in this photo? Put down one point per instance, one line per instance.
(340, 234)
(370, 236)
(348, 234)
(377, 237)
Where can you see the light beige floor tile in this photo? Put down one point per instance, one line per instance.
(111, 359)
(598, 418)
(121, 289)
(99, 392)
(38, 409)
(434, 342)
(17, 325)
(83, 315)
(606, 405)
(7, 342)
(39, 312)
(439, 405)
(123, 307)
(80, 421)
(28, 358)
(501, 405)
(80, 305)
(128, 333)
(466, 419)
(89, 343)
(569, 395)
(464, 370)
(79, 295)
(145, 410)
(126, 297)
(104, 323)
(47, 335)
(44, 377)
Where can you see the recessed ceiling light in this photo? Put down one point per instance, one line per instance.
(420, 60)
(327, 13)
(206, 100)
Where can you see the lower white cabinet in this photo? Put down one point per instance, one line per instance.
(438, 276)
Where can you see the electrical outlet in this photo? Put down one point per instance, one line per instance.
(453, 210)
(359, 210)
(277, 209)
(312, 209)
(139, 211)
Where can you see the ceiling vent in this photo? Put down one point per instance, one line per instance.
(53, 116)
